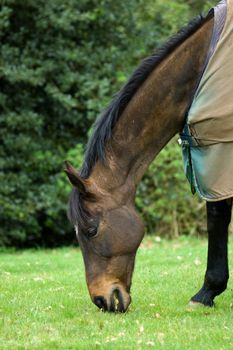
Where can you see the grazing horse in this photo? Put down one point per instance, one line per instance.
(149, 110)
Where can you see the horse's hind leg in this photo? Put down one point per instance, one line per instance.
(216, 277)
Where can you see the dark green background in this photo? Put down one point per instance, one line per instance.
(60, 63)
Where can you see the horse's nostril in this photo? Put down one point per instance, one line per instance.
(100, 302)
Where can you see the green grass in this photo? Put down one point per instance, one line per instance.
(44, 302)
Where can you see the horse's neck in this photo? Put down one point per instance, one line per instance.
(154, 115)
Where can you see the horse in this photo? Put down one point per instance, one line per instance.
(147, 112)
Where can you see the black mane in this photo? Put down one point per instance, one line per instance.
(104, 125)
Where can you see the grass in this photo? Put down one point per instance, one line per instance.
(44, 302)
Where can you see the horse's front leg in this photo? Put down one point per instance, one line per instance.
(216, 277)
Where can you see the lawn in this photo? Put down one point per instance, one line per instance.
(44, 302)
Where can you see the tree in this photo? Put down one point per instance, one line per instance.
(60, 61)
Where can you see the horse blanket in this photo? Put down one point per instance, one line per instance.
(207, 138)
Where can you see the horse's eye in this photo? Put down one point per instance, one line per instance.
(92, 231)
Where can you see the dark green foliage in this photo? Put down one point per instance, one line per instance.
(60, 63)
(160, 19)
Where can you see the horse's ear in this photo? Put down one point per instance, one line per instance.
(74, 177)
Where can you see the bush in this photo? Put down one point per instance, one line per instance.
(61, 61)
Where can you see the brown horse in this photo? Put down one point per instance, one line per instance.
(149, 110)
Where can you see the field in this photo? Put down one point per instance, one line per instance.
(44, 302)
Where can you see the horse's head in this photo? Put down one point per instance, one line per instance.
(109, 232)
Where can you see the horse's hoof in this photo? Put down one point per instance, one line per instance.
(195, 305)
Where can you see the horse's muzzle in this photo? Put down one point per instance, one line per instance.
(118, 301)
